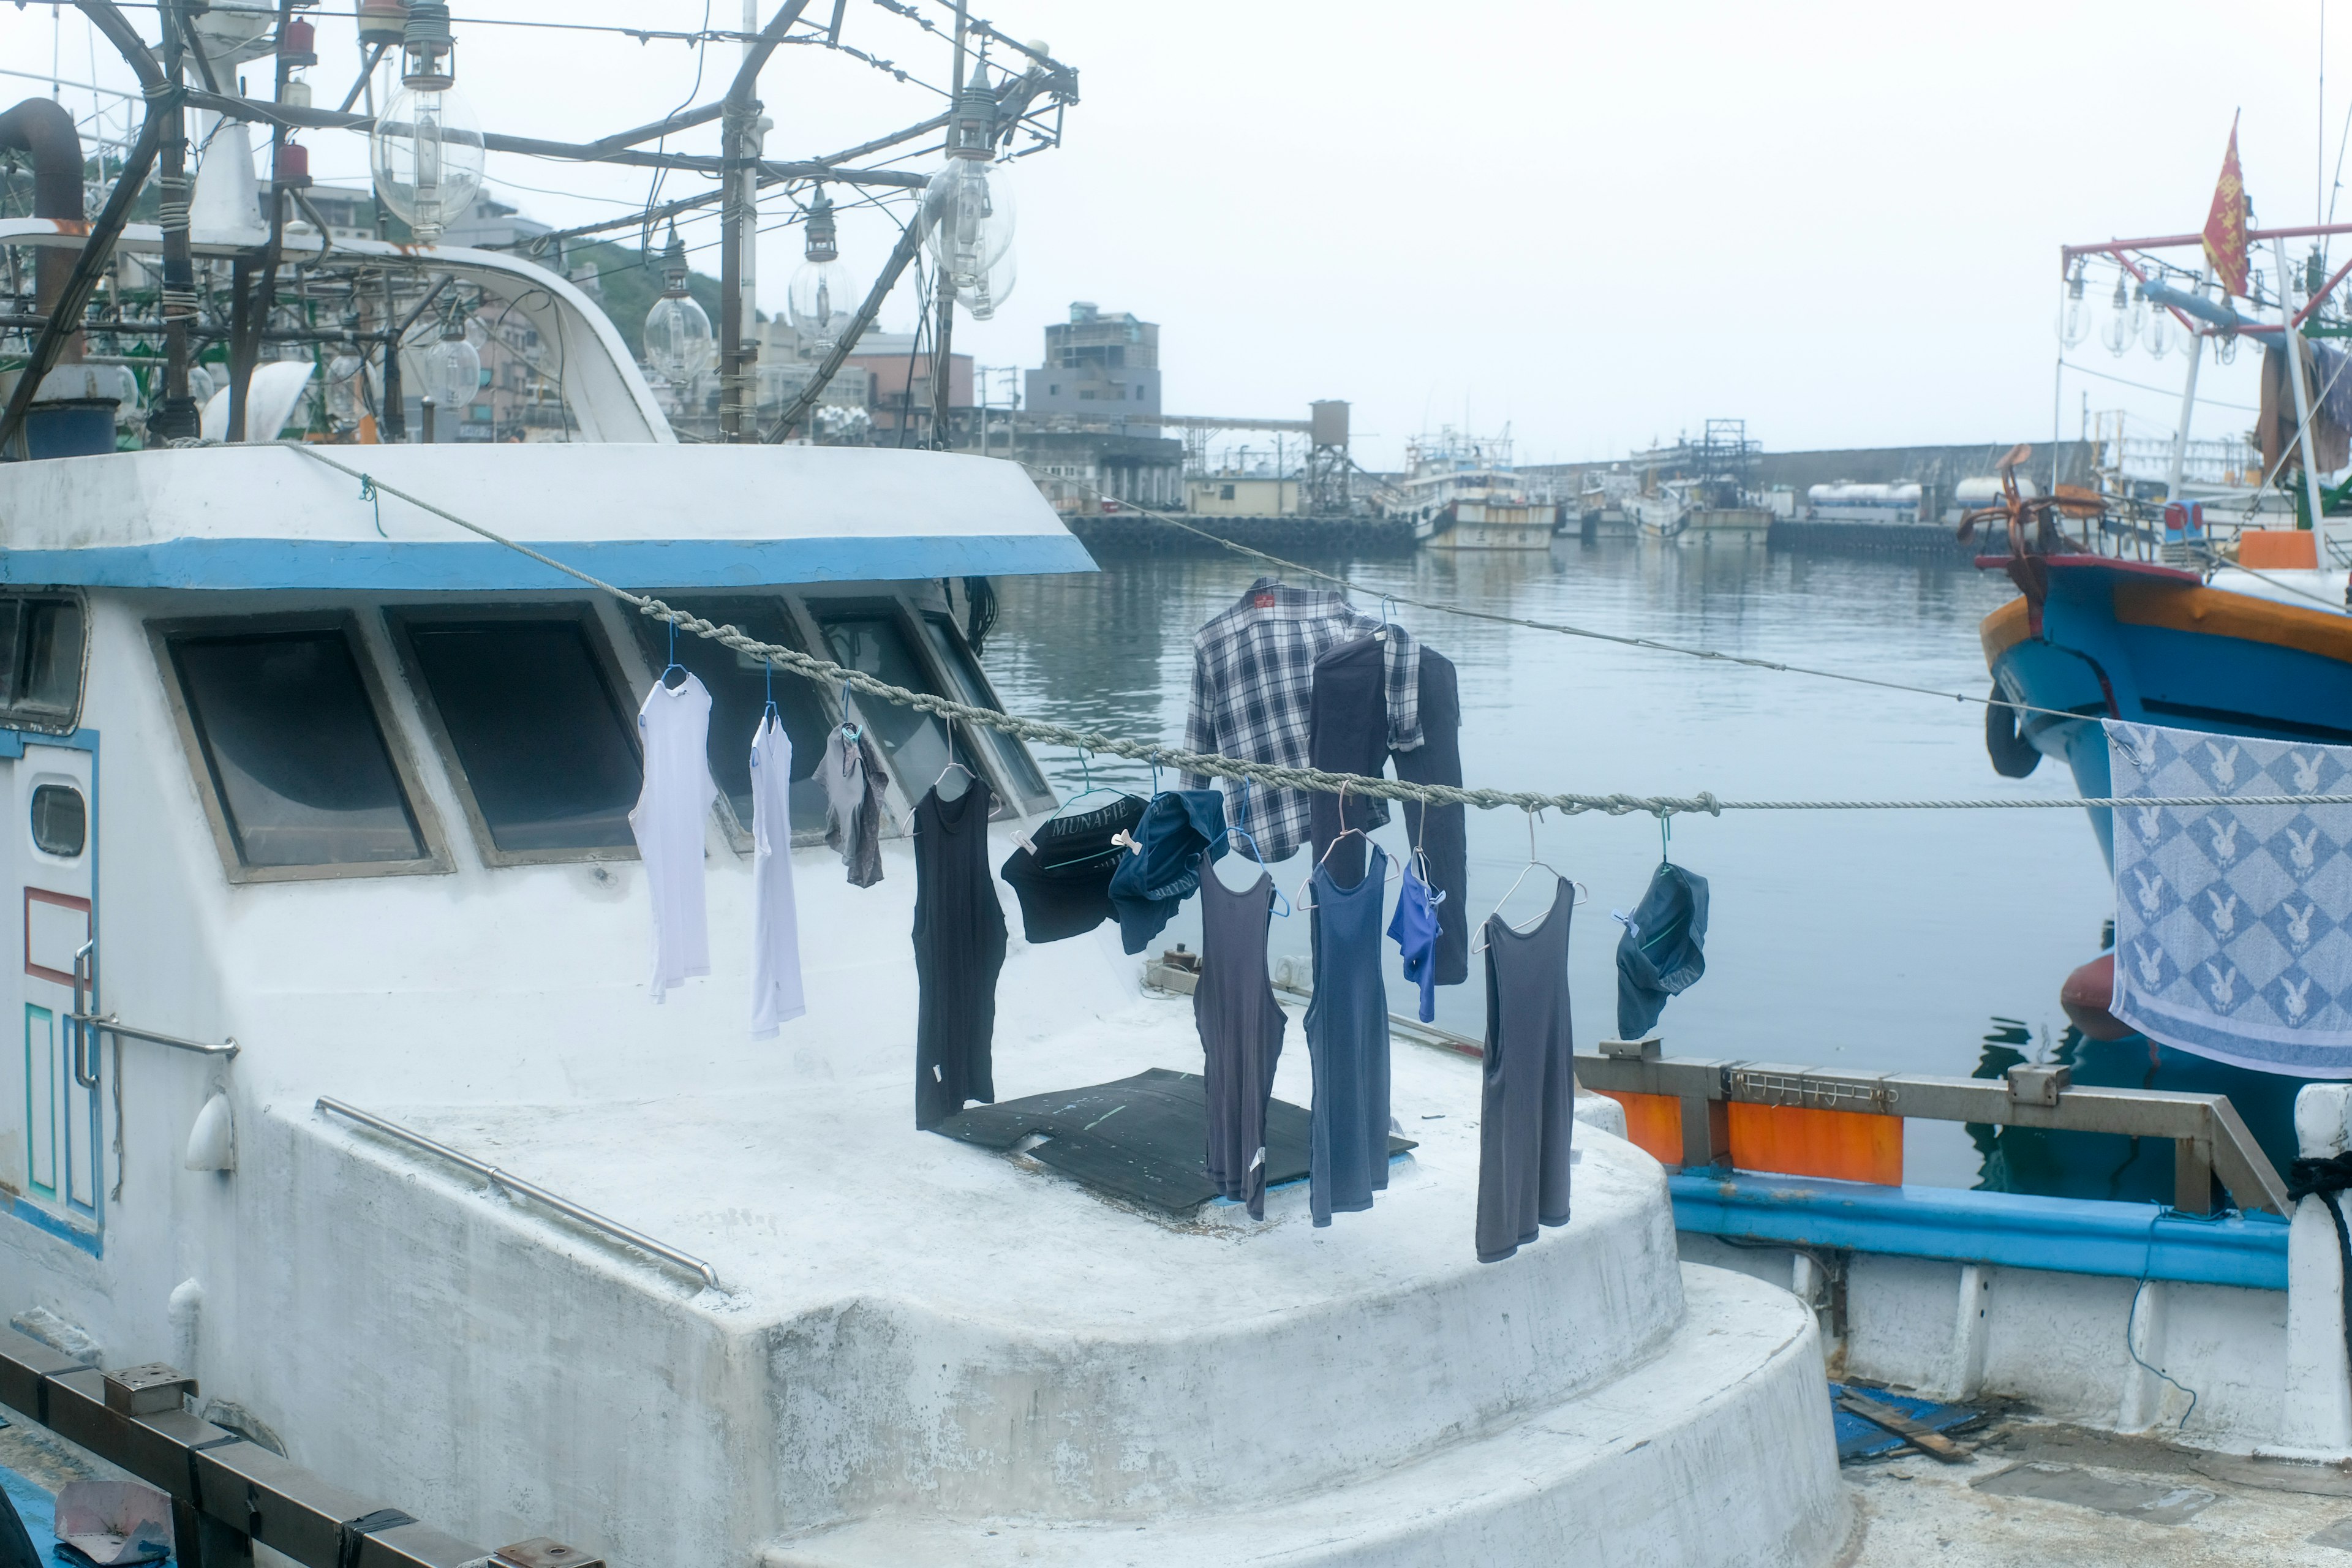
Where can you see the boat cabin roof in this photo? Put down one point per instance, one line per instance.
(637, 514)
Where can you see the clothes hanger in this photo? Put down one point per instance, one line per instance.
(1393, 872)
(662, 680)
(1382, 634)
(1242, 835)
(1126, 839)
(955, 765)
(1086, 776)
(1235, 830)
(1578, 895)
(851, 730)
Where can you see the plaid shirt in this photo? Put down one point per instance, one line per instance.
(1253, 683)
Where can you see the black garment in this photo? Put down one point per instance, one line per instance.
(1064, 885)
(1241, 1027)
(959, 948)
(1348, 732)
(1664, 950)
(1528, 1107)
(1349, 735)
(1441, 832)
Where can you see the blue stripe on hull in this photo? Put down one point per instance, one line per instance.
(409, 566)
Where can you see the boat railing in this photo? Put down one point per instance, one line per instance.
(2209, 1138)
(230, 1494)
(503, 1181)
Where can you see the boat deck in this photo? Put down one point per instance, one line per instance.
(2037, 1492)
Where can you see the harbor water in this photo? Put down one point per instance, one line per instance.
(1912, 940)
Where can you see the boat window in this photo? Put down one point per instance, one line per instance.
(60, 820)
(1020, 769)
(544, 748)
(294, 749)
(874, 639)
(40, 660)
(739, 687)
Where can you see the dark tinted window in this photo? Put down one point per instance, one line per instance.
(297, 757)
(50, 667)
(739, 694)
(1019, 767)
(548, 753)
(60, 820)
(40, 658)
(914, 744)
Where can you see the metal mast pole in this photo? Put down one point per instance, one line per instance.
(944, 329)
(2187, 408)
(2302, 393)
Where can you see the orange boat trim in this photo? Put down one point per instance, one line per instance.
(2003, 630)
(2212, 612)
(1786, 1139)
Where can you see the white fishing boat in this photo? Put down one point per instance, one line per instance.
(304, 768)
(1461, 494)
(1662, 513)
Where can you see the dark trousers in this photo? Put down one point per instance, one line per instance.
(1347, 733)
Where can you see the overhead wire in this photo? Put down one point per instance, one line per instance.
(833, 675)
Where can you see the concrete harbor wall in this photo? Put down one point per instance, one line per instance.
(1836, 536)
(1129, 533)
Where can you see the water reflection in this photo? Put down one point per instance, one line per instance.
(1863, 939)
(2106, 1165)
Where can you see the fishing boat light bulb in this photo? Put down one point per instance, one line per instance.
(453, 368)
(995, 289)
(2118, 329)
(820, 297)
(2156, 329)
(426, 148)
(2074, 318)
(968, 205)
(678, 344)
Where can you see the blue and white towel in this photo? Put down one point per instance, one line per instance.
(2232, 936)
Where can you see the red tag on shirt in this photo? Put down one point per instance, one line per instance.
(1262, 602)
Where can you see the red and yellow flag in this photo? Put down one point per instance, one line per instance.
(2225, 225)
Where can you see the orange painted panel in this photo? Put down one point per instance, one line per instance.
(1798, 1140)
(2217, 613)
(2284, 548)
(2003, 630)
(1653, 1124)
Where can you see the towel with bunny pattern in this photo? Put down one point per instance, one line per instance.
(2232, 937)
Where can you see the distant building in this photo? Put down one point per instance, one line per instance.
(1088, 471)
(1098, 367)
(1243, 495)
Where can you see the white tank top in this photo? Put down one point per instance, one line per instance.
(775, 920)
(674, 726)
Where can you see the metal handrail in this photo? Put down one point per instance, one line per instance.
(87, 1023)
(104, 1024)
(2209, 1138)
(508, 1183)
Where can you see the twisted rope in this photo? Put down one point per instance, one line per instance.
(826, 673)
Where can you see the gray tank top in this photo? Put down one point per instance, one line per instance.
(1529, 1099)
(1241, 1027)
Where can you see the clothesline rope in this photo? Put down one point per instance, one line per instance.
(1565, 628)
(825, 673)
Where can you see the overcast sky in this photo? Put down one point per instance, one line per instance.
(1596, 224)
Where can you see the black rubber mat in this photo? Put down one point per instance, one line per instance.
(1139, 1139)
